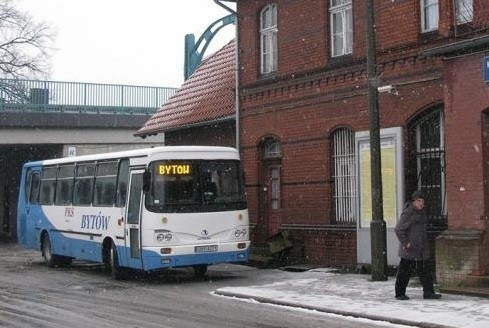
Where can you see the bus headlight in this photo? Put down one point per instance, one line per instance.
(240, 233)
(163, 236)
(160, 237)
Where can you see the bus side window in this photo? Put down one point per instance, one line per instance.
(27, 186)
(34, 192)
(105, 184)
(122, 182)
(64, 185)
(48, 185)
(84, 178)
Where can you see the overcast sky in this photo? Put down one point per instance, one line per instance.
(136, 42)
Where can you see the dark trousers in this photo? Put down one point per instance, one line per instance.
(406, 269)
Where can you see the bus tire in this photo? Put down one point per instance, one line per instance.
(64, 261)
(200, 270)
(115, 270)
(52, 260)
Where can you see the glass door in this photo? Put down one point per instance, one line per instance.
(132, 229)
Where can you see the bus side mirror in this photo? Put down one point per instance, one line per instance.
(146, 181)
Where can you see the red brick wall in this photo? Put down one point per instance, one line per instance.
(463, 250)
(407, 24)
(302, 44)
(328, 246)
(304, 34)
(303, 39)
(312, 94)
(467, 96)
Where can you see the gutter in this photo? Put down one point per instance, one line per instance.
(236, 93)
(198, 124)
(456, 48)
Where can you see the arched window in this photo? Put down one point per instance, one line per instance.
(427, 163)
(268, 38)
(272, 149)
(344, 176)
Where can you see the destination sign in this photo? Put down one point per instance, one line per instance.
(174, 169)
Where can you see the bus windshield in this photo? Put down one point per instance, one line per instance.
(184, 186)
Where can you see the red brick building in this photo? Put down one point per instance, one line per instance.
(303, 108)
(302, 95)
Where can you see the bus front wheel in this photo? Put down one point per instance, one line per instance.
(200, 270)
(113, 265)
(52, 260)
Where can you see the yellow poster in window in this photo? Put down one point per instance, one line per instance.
(388, 171)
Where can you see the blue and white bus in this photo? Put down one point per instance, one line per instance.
(147, 209)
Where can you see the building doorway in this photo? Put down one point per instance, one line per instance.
(271, 192)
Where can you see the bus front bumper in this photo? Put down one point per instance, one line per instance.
(153, 258)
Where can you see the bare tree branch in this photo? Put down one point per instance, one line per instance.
(25, 45)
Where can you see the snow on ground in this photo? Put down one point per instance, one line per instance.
(356, 294)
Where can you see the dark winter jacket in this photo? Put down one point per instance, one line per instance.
(411, 229)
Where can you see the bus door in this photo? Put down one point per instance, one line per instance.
(133, 215)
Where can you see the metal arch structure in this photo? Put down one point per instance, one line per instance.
(194, 51)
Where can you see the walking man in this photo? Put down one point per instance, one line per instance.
(414, 249)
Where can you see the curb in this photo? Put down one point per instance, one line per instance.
(333, 311)
(482, 292)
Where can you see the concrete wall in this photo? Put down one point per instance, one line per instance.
(19, 144)
(39, 135)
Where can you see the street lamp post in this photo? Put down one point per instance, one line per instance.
(377, 225)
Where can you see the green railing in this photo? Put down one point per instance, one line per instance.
(69, 97)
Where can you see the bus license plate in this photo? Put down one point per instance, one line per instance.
(206, 249)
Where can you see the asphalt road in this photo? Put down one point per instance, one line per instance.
(84, 295)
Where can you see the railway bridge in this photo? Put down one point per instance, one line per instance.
(48, 119)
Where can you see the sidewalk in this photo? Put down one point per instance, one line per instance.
(355, 295)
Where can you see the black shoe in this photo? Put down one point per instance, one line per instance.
(402, 298)
(433, 296)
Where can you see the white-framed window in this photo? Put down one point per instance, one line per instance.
(429, 15)
(344, 176)
(341, 27)
(464, 11)
(268, 38)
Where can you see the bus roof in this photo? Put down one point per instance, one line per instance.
(172, 152)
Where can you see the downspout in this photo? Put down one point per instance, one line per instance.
(236, 75)
(454, 13)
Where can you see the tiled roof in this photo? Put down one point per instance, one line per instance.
(206, 96)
